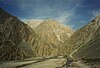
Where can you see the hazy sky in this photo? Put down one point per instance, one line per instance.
(75, 13)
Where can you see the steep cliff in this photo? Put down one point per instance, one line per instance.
(15, 38)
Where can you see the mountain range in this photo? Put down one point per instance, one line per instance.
(44, 38)
(21, 41)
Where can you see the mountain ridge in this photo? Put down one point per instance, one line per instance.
(84, 35)
(50, 39)
(13, 33)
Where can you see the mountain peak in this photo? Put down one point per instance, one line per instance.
(33, 23)
(50, 21)
(36, 23)
(97, 17)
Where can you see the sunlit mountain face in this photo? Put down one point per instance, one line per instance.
(49, 34)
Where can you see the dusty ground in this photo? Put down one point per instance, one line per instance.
(47, 62)
(39, 62)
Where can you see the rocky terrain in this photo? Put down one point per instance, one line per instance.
(48, 44)
(19, 41)
(15, 38)
(50, 38)
(84, 36)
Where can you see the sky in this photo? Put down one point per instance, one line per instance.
(74, 13)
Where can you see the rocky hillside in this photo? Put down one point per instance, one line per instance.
(50, 38)
(15, 38)
(20, 41)
(84, 36)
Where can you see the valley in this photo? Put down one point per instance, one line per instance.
(47, 44)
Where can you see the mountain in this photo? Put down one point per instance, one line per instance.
(42, 38)
(85, 42)
(50, 38)
(15, 38)
(33, 23)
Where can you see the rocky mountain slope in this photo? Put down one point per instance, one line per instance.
(15, 38)
(84, 36)
(50, 38)
(19, 41)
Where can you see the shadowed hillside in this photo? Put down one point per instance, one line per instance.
(15, 38)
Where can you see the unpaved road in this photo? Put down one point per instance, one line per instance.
(40, 62)
(35, 63)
